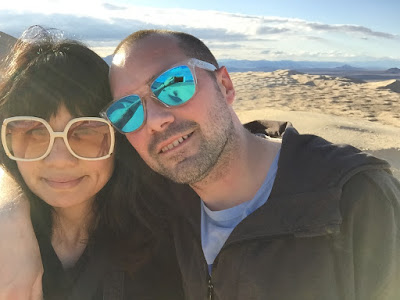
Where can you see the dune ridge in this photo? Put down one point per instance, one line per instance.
(293, 91)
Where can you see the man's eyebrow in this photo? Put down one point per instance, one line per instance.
(152, 78)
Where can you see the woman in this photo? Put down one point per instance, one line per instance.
(63, 157)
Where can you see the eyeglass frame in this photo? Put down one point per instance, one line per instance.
(54, 135)
(191, 63)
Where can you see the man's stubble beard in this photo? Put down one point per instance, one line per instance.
(215, 150)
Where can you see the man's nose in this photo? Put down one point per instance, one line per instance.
(158, 116)
(59, 154)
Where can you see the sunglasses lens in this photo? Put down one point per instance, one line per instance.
(175, 86)
(126, 114)
(27, 139)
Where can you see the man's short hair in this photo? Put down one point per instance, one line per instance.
(191, 46)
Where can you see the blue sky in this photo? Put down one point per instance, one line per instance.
(382, 14)
(337, 30)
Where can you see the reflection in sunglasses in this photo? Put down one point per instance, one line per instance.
(173, 87)
(127, 113)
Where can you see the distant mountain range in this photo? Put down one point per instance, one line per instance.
(393, 71)
(365, 71)
(234, 65)
(269, 66)
(369, 71)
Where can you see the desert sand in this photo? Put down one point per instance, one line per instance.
(341, 110)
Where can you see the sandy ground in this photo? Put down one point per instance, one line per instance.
(365, 115)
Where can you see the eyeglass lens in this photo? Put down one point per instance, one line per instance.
(30, 139)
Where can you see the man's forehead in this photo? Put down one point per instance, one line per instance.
(141, 61)
(158, 50)
(119, 59)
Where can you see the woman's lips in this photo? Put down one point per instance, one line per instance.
(63, 183)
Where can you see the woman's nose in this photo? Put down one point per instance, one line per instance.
(60, 155)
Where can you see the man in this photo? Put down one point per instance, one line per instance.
(297, 218)
(290, 218)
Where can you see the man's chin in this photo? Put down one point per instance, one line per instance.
(185, 173)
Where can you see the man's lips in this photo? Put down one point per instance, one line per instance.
(173, 142)
(63, 183)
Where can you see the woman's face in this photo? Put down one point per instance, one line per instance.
(61, 179)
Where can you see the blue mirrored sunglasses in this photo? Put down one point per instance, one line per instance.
(173, 87)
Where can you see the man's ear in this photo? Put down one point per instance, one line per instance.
(226, 84)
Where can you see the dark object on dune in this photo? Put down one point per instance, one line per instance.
(394, 86)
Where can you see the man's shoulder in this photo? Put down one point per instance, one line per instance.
(311, 160)
(325, 162)
(372, 186)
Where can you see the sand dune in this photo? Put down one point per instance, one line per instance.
(342, 110)
(288, 90)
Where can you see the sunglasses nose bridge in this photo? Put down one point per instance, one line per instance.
(62, 135)
(157, 114)
(64, 140)
(58, 134)
(59, 152)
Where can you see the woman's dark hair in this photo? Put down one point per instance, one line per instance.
(44, 71)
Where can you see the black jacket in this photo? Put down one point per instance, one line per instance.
(99, 275)
(329, 230)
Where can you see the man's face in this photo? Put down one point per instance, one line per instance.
(182, 143)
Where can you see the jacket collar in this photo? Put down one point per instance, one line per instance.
(305, 198)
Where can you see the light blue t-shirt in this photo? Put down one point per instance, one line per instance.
(216, 226)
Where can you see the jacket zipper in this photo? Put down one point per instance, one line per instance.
(210, 285)
(210, 291)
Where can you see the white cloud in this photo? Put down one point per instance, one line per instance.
(229, 35)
